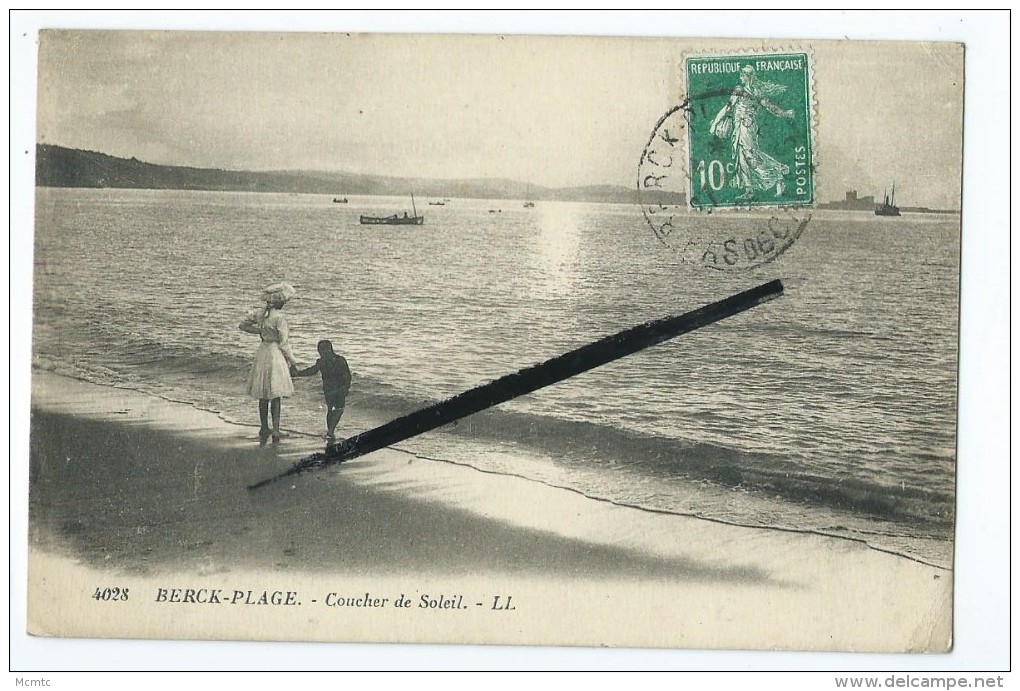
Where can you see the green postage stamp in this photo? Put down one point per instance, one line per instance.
(749, 134)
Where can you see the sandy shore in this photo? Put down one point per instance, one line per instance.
(129, 490)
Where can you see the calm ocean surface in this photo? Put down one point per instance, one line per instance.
(832, 409)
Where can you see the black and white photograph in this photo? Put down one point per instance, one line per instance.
(601, 341)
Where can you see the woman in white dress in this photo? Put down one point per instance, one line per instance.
(269, 380)
(738, 122)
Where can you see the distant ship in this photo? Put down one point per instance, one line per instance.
(339, 200)
(395, 219)
(888, 206)
(437, 203)
(529, 205)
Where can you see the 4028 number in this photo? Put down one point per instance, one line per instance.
(110, 594)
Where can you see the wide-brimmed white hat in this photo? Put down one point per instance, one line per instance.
(279, 293)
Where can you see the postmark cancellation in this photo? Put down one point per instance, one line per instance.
(741, 138)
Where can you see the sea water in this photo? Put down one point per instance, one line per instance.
(831, 409)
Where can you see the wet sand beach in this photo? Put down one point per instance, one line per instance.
(128, 488)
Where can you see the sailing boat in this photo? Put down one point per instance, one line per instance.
(888, 206)
(395, 220)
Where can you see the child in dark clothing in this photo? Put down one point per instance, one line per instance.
(336, 382)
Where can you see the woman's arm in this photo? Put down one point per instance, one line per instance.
(723, 111)
(284, 330)
(776, 110)
(250, 324)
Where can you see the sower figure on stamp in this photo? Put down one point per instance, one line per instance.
(336, 382)
(269, 380)
(737, 120)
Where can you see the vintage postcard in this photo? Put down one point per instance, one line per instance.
(638, 342)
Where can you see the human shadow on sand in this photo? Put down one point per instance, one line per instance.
(127, 496)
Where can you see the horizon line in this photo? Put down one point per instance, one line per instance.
(430, 179)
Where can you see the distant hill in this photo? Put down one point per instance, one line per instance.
(58, 166)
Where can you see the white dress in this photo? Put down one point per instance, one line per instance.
(270, 375)
(737, 121)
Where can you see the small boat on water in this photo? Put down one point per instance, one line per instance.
(339, 200)
(395, 219)
(437, 203)
(529, 205)
(888, 206)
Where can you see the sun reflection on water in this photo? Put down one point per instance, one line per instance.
(555, 251)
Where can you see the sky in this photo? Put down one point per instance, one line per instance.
(554, 111)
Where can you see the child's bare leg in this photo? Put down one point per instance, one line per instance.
(264, 414)
(332, 418)
(274, 406)
(329, 430)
